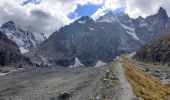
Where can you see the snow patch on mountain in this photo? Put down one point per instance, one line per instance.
(26, 40)
(107, 18)
(77, 63)
(130, 31)
(143, 24)
(91, 29)
(39, 36)
(23, 50)
(99, 64)
(81, 22)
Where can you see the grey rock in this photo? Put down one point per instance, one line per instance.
(103, 39)
(9, 52)
(26, 40)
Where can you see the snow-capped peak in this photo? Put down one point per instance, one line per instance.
(109, 17)
(124, 20)
(84, 19)
(9, 25)
(26, 40)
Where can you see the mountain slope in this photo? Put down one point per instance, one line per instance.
(9, 52)
(102, 40)
(157, 51)
(152, 26)
(26, 40)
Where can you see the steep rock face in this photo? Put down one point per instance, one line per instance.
(101, 40)
(26, 40)
(9, 51)
(89, 42)
(158, 51)
(152, 26)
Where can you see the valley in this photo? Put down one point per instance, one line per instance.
(111, 56)
(124, 79)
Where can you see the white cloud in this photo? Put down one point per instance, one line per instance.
(113, 4)
(134, 8)
(108, 5)
(98, 13)
(142, 8)
(83, 2)
(145, 8)
(46, 17)
(50, 15)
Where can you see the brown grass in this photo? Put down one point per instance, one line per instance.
(144, 85)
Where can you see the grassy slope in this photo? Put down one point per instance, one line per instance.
(144, 85)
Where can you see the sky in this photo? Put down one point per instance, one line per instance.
(47, 16)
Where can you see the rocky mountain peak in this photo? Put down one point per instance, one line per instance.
(108, 17)
(162, 14)
(9, 25)
(161, 10)
(140, 17)
(122, 14)
(26, 40)
(109, 14)
(85, 18)
(11, 22)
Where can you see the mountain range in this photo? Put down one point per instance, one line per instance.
(91, 41)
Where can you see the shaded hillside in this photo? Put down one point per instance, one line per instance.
(9, 52)
(157, 51)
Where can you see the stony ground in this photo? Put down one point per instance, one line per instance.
(59, 83)
(159, 72)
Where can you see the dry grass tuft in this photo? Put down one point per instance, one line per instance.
(144, 85)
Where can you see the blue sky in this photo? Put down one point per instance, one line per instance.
(84, 10)
(88, 10)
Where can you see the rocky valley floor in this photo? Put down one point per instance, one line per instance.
(110, 82)
(58, 83)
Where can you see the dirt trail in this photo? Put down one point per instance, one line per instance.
(126, 89)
